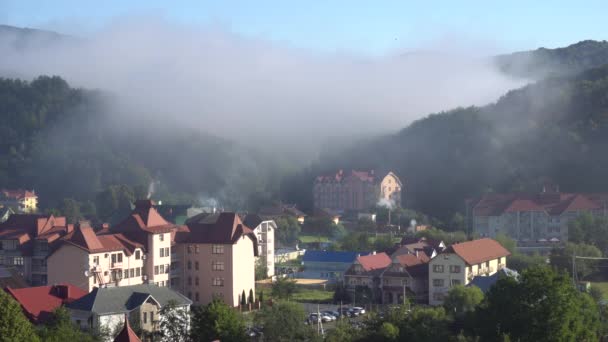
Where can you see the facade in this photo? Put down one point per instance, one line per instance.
(367, 271)
(38, 303)
(542, 217)
(406, 278)
(25, 242)
(328, 265)
(356, 191)
(459, 263)
(106, 308)
(216, 259)
(22, 201)
(264, 231)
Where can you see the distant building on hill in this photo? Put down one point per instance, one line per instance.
(356, 191)
(541, 217)
(22, 201)
(282, 210)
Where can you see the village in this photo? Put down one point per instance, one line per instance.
(185, 257)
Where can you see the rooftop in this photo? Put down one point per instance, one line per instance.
(553, 203)
(331, 256)
(478, 251)
(39, 302)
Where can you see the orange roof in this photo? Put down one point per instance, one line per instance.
(84, 237)
(127, 334)
(39, 302)
(374, 261)
(478, 251)
(408, 260)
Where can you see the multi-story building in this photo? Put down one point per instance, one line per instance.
(25, 242)
(357, 190)
(264, 231)
(367, 271)
(460, 262)
(406, 278)
(23, 201)
(541, 217)
(216, 260)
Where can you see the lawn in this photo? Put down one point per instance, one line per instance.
(304, 295)
(602, 285)
(313, 238)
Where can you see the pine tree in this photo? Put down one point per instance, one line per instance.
(250, 298)
(243, 299)
(14, 326)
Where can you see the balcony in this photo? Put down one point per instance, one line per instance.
(117, 264)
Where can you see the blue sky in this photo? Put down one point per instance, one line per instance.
(370, 27)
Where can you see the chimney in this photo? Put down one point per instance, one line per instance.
(105, 226)
(69, 228)
(416, 253)
(373, 252)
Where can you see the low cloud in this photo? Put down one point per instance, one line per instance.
(258, 91)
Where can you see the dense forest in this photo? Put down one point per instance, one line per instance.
(554, 130)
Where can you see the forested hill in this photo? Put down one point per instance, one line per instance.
(565, 61)
(554, 130)
(61, 142)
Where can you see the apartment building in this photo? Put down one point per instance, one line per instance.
(356, 191)
(541, 217)
(264, 231)
(22, 201)
(216, 259)
(25, 242)
(460, 262)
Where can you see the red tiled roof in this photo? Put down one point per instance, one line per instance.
(374, 261)
(26, 227)
(85, 238)
(364, 176)
(409, 260)
(17, 193)
(127, 334)
(39, 302)
(478, 251)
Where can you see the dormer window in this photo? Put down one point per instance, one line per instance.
(161, 237)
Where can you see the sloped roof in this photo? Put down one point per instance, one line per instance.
(144, 218)
(331, 256)
(478, 251)
(553, 203)
(226, 229)
(486, 282)
(252, 220)
(85, 238)
(39, 302)
(374, 261)
(125, 298)
(127, 334)
(18, 193)
(409, 260)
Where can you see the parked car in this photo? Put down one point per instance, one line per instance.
(357, 310)
(331, 314)
(314, 318)
(346, 312)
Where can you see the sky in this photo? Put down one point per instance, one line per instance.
(353, 26)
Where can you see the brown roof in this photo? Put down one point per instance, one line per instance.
(374, 261)
(27, 227)
(553, 203)
(85, 238)
(127, 334)
(478, 251)
(17, 193)
(39, 302)
(409, 260)
(340, 176)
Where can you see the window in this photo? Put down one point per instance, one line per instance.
(189, 264)
(155, 269)
(167, 252)
(438, 282)
(196, 296)
(151, 316)
(18, 261)
(162, 252)
(196, 249)
(167, 268)
(132, 272)
(137, 255)
(196, 281)
(138, 272)
(218, 282)
(145, 317)
(161, 237)
(438, 268)
(217, 249)
(189, 281)
(218, 265)
(119, 257)
(189, 294)
(454, 269)
(455, 282)
(126, 274)
(196, 265)
(96, 260)
(189, 249)
(162, 269)
(113, 258)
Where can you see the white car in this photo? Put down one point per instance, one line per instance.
(324, 318)
(358, 310)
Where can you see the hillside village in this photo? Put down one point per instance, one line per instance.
(133, 270)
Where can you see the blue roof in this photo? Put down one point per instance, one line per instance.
(331, 256)
(485, 282)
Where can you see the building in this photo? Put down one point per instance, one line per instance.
(356, 191)
(330, 214)
(88, 260)
(25, 242)
(264, 231)
(328, 265)
(406, 278)
(38, 303)
(127, 334)
(532, 217)
(216, 260)
(367, 271)
(106, 307)
(22, 201)
(485, 283)
(460, 262)
(5, 213)
(412, 245)
(282, 210)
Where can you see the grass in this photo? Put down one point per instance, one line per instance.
(313, 296)
(602, 285)
(313, 238)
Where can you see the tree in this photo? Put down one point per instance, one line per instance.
(288, 230)
(388, 332)
(217, 321)
(261, 268)
(341, 293)
(174, 322)
(461, 299)
(383, 243)
(283, 321)
(250, 298)
(60, 328)
(365, 224)
(542, 306)
(243, 299)
(507, 242)
(590, 230)
(70, 208)
(14, 326)
(561, 258)
(520, 261)
(283, 288)
(343, 331)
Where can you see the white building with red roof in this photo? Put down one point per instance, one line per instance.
(460, 262)
(541, 217)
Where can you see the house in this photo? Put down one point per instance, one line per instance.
(88, 260)
(485, 283)
(367, 270)
(216, 259)
(25, 242)
(333, 215)
(106, 307)
(356, 190)
(282, 210)
(5, 212)
(264, 231)
(460, 262)
(411, 245)
(329, 265)
(406, 278)
(38, 303)
(527, 218)
(282, 255)
(22, 201)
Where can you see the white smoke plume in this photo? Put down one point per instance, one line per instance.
(256, 91)
(387, 203)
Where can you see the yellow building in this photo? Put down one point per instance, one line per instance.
(23, 201)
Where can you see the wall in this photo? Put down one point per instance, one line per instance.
(67, 265)
(242, 268)
(436, 292)
(154, 259)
